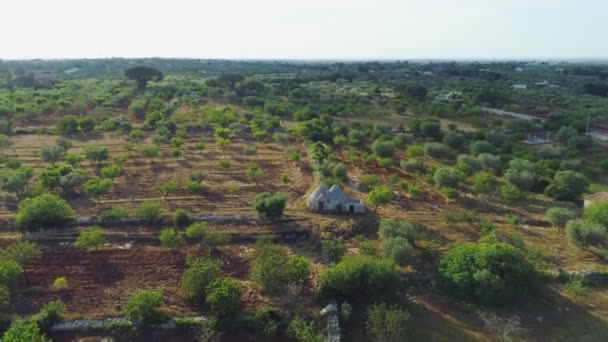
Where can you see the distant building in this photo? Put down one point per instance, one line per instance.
(334, 200)
(599, 197)
(539, 138)
(445, 97)
(70, 71)
(542, 83)
(519, 86)
(519, 69)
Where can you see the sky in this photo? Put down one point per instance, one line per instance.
(310, 29)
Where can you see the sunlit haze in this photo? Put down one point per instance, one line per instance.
(312, 29)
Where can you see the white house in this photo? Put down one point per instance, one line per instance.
(334, 200)
(519, 86)
(599, 197)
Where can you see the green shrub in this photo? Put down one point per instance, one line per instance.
(5, 297)
(583, 235)
(298, 269)
(447, 177)
(150, 211)
(51, 313)
(22, 331)
(383, 148)
(559, 216)
(396, 249)
(10, 271)
(512, 193)
(181, 217)
(171, 239)
(269, 266)
(489, 273)
(387, 323)
(303, 331)
(223, 296)
(43, 211)
(360, 276)
(90, 238)
(60, 283)
(333, 249)
(114, 214)
(143, 305)
(197, 230)
(413, 165)
(597, 213)
(270, 205)
(198, 276)
(414, 151)
(390, 228)
(21, 252)
(437, 151)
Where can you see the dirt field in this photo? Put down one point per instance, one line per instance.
(229, 191)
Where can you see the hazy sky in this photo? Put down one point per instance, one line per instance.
(311, 29)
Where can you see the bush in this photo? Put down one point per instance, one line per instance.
(5, 297)
(468, 164)
(21, 331)
(482, 146)
(303, 331)
(60, 283)
(511, 193)
(558, 217)
(414, 151)
(360, 276)
(150, 211)
(298, 269)
(143, 305)
(390, 228)
(198, 276)
(380, 195)
(95, 187)
(114, 214)
(437, 151)
(181, 217)
(583, 234)
(269, 266)
(270, 205)
(90, 238)
(43, 211)
(369, 181)
(413, 165)
(490, 162)
(224, 295)
(383, 148)
(21, 252)
(447, 177)
(197, 230)
(597, 213)
(171, 239)
(332, 249)
(522, 179)
(485, 183)
(567, 185)
(51, 313)
(454, 139)
(489, 273)
(396, 249)
(387, 324)
(10, 271)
